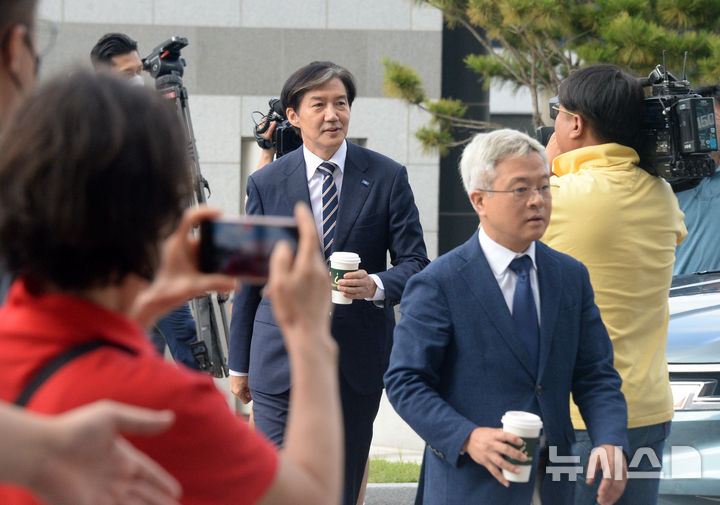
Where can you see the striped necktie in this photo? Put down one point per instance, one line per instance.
(329, 206)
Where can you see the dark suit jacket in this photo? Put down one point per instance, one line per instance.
(457, 364)
(376, 214)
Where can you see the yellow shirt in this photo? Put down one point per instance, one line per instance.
(623, 224)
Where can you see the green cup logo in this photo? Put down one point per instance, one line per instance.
(335, 275)
(527, 448)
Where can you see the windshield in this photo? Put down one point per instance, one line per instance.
(694, 329)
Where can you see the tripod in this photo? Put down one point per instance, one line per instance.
(166, 66)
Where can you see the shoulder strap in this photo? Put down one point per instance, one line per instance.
(58, 362)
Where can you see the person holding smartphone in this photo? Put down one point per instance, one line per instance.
(94, 228)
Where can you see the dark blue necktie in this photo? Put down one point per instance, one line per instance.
(524, 310)
(329, 206)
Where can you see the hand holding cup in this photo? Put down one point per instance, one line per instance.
(527, 426)
(342, 263)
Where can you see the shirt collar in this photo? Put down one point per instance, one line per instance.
(606, 157)
(498, 256)
(313, 161)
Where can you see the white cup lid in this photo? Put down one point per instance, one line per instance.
(345, 257)
(522, 419)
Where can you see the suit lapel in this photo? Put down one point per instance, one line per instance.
(550, 287)
(296, 179)
(481, 282)
(356, 186)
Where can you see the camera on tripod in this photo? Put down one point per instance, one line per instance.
(165, 59)
(167, 67)
(284, 138)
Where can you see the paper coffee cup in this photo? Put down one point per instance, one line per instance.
(340, 264)
(526, 426)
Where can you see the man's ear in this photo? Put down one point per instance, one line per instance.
(292, 117)
(477, 200)
(579, 127)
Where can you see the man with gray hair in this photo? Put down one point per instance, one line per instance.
(504, 323)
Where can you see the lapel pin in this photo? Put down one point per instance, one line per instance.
(364, 182)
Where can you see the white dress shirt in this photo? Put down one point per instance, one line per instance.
(499, 259)
(315, 177)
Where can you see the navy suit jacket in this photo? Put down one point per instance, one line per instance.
(457, 363)
(376, 214)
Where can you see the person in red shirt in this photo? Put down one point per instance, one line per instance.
(94, 181)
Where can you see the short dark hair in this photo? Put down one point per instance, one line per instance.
(109, 46)
(93, 174)
(712, 91)
(15, 12)
(609, 100)
(310, 77)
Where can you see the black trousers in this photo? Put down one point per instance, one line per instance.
(270, 412)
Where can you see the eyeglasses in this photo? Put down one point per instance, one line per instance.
(45, 36)
(555, 109)
(524, 193)
(31, 47)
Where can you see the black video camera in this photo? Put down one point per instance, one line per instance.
(678, 127)
(284, 138)
(165, 59)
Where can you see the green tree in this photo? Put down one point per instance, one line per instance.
(536, 43)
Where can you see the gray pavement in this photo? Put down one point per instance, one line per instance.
(390, 494)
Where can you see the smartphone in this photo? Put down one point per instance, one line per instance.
(242, 246)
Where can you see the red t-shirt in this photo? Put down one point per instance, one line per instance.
(216, 457)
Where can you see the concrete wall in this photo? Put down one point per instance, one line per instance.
(241, 52)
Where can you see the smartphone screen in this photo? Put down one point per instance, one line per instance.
(242, 246)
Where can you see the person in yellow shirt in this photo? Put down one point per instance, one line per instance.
(624, 225)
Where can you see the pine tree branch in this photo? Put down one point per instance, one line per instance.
(460, 121)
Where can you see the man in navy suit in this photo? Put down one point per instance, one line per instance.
(362, 203)
(504, 323)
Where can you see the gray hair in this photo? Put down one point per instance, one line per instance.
(486, 150)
